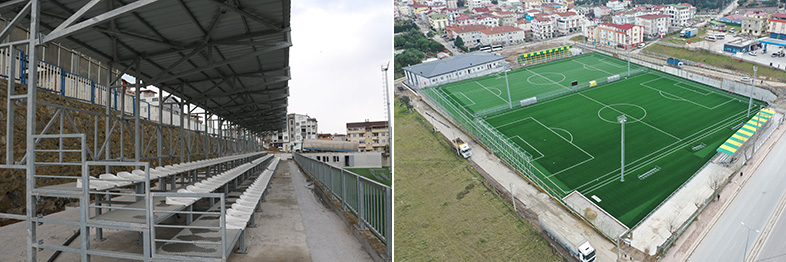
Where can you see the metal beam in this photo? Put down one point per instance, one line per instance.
(55, 34)
(225, 62)
(248, 15)
(242, 90)
(11, 3)
(76, 15)
(12, 25)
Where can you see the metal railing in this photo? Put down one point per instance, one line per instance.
(370, 201)
(57, 80)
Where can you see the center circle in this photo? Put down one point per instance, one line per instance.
(551, 76)
(610, 113)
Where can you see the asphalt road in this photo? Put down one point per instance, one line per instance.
(774, 248)
(753, 206)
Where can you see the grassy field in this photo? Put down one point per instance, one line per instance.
(366, 172)
(720, 61)
(674, 126)
(443, 211)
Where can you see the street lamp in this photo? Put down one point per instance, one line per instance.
(745, 251)
(622, 119)
(750, 97)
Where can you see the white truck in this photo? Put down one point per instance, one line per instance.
(461, 147)
(578, 246)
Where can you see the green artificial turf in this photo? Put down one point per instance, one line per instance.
(366, 172)
(574, 139)
(491, 91)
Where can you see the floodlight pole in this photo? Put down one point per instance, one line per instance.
(750, 97)
(745, 251)
(621, 119)
(510, 102)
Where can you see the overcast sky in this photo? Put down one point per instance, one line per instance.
(338, 47)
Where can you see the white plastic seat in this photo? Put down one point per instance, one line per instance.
(181, 200)
(112, 177)
(237, 213)
(127, 175)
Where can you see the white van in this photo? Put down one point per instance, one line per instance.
(710, 38)
(720, 36)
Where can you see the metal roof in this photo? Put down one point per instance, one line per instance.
(447, 65)
(230, 57)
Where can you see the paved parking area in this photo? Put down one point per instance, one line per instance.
(763, 59)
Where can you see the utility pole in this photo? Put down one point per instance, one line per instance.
(387, 101)
(510, 102)
(745, 251)
(622, 119)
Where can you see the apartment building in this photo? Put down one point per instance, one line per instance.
(299, 127)
(655, 26)
(502, 35)
(777, 26)
(371, 136)
(754, 23)
(681, 14)
(616, 35)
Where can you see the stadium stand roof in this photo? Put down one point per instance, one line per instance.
(229, 57)
(439, 67)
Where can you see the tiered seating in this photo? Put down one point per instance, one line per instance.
(745, 132)
(240, 213)
(213, 183)
(108, 181)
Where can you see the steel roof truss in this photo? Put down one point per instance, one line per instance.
(62, 32)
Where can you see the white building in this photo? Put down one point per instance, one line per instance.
(299, 127)
(681, 14)
(543, 27)
(502, 35)
(616, 5)
(453, 69)
(470, 34)
(655, 26)
(438, 21)
(568, 22)
(477, 3)
(616, 35)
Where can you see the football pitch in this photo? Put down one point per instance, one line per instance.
(673, 127)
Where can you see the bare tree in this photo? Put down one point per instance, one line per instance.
(716, 180)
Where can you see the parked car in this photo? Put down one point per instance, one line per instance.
(752, 53)
(778, 54)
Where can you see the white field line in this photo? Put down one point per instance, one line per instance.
(669, 150)
(498, 95)
(549, 101)
(470, 99)
(566, 131)
(596, 69)
(644, 84)
(612, 108)
(679, 84)
(603, 60)
(536, 150)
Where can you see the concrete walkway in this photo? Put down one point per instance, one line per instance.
(329, 239)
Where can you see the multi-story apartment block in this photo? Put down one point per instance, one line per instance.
(502, 35)
(616, 5)
(568, 22)
(299, 127)
(370, 136)
(655, 26)
(453, 4)
(451, 13)
(477, 3)
(470, 34)
(543, 27)
(754, 23)
(529, 4)
(438, 21)
(616, 35)
(506, 17)
(681, 14)
(487, 20)
(601, 11)
(777, 26)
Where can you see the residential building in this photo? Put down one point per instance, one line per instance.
(464, 20)
(529, 4)
(568, 22)
(299, 127)
(524, 25)
(681, 14)
(370, 136)
(470, 34)
(506, 17)
(332, 137)
(453, 4)
(451, 13)
(777, 26)
(616, 5)
(438, 21)
(502, 35)
(452, 69)
(487, 20)
(655, 26)
(754, 23)
(601, 11)
(616, 35)
(476, 3)
(543, 27)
